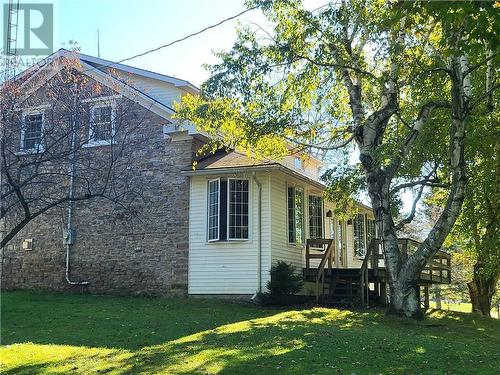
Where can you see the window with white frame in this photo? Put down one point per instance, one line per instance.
(295, 215)
(102, 127)
(228, 209)
(298, 163)
(315, 216)
(359, 236)
(213, 209)
(32, 132)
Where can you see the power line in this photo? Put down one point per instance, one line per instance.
(177, 40)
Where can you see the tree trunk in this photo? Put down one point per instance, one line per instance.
(405, 300)
(481, 291)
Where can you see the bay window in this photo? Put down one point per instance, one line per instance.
(228, 209)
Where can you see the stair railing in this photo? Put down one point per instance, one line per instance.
(327, 258)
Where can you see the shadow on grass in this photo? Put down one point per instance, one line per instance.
(319, 340)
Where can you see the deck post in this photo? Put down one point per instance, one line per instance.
(307, 256)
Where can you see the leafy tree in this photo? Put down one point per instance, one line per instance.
(477, 233)
(399, 80)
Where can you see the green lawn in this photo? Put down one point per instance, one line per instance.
(463, 307)
(54, 333)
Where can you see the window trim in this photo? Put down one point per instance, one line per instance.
(208, 210)
(303, 239)
(228, 211)
(31, 112)
(101, 104)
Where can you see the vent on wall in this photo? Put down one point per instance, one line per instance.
(28, 244)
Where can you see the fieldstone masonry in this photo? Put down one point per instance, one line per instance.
(142, 250)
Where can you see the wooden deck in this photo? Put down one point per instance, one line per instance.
(367, 284)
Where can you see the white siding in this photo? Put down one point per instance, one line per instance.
(227, 267)
(280, 248)
(295, 254)
(163, 92)
(310, 165)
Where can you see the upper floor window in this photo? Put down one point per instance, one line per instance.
(295, 215)
(359, 236)
(32, 132)
(315, 217)
(298, 163)
(228, 209)
(102, 127)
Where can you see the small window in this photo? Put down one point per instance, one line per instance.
(32, 132)
(315, 217)
(298, 163)
(228, 209)
(295, 215)
(101, 129)
(213, 209)
(359, 236)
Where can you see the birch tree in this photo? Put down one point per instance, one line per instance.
(391, 78)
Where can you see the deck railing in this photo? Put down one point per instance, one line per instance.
(437, 270)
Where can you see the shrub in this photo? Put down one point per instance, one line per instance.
(284, 284)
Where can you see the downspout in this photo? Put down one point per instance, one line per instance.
(70, 195)
(259, 243)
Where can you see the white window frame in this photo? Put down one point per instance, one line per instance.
(364, 236)
(228, 208)
(303, 239)
(208, 211)
(101, 104)
(321, 215)
(31, 112)
(298, 163)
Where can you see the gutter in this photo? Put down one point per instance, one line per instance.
(259, 244)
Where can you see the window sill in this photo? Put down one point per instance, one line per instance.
(29, 152)
(227, 241)
(97, 144)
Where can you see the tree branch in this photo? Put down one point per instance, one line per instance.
(410, 217)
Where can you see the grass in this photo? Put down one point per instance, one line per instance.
(54, 333)
(462, 307)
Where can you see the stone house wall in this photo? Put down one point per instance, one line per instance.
(142, 249)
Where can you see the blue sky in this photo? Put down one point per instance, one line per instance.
(130, 27)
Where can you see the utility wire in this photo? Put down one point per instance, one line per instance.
(175, 41)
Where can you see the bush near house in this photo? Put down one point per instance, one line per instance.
(284, 284)
(83, 334)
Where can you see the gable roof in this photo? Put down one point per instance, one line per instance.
(97, 63)
(34, 77)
